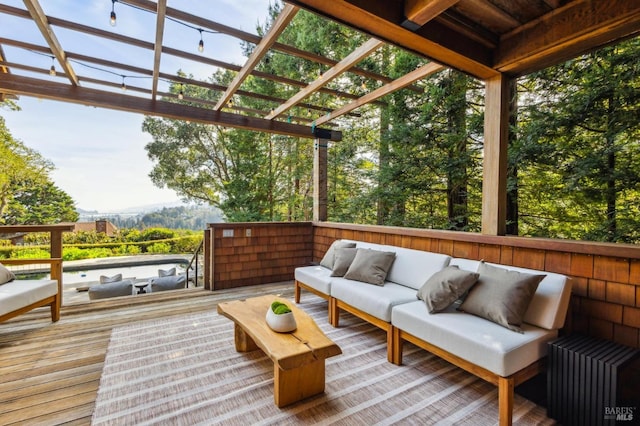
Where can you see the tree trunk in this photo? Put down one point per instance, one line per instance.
(512, 170)
(457, 176)
(384, 207)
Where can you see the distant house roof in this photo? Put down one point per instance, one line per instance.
(101, 225)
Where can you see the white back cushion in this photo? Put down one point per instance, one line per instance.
(548, 308)
(412, 268)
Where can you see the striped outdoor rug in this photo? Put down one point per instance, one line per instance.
(185, 371)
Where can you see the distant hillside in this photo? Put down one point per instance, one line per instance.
(183, 217)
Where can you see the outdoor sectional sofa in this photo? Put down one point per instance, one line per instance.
(502, 356)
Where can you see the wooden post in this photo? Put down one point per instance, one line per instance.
(55, 249)
(496, 135)
(208, 259)
(320, 180)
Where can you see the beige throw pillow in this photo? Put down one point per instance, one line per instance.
(6, 275)
(329, 256)
(370, 266)
(445, 287)
(343, 259)
(501, 295)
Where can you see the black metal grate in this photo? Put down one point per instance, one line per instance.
(585, 385)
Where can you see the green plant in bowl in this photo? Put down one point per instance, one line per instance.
(280, 308)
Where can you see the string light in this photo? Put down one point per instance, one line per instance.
(112, 17)
(52, 70)
(181, 94)
(124, 86)
(201, 43)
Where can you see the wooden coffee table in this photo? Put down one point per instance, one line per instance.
(298, 357)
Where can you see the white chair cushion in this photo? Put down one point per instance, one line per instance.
(372, 299)
(317, 277)
(474, 339)
(548, 308)
(17, 294)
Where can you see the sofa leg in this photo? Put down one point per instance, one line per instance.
(396, 346)
(296, 292)
(334, 312)
(505, 400)
(390, 344)
(55, 310)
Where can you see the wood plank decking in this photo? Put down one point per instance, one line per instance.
(50, 372)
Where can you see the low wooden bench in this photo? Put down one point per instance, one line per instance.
(298, 357)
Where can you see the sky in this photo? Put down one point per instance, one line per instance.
(98, 153)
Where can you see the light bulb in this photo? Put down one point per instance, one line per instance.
(112, 19)
(201, 46)
(52, 70)
(181, 95)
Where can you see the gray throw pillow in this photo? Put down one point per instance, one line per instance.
(501, 295)
(114, 279)
(168, 283)
(329, 256)
(343, 259)
(370, 266)
(166, 272)
(6, 275)
(115, 289)
(445, 287)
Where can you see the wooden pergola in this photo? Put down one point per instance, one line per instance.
(492, 40)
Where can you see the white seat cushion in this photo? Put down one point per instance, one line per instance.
(372, 299)
(474, 339)
(317, 277)
(549, 305)
(17, 294)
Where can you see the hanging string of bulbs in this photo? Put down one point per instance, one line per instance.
(113, 22)
(123, 86)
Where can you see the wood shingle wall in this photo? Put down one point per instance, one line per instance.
(606, 277)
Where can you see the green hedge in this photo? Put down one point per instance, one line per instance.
(177, 245)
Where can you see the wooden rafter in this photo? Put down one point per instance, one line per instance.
(279, 25)
(404, 81)
(143, 71)
(419, 12)
(40, 19)
(13, 84)
(349, 61)
(202, 22)
(167, 50)
(157, 51)
(564, 33)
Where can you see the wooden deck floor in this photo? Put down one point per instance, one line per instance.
(49, 372)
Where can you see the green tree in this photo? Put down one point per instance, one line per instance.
(27, 194)
(39, 203)
(578, 148)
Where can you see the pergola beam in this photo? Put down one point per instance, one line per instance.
(13, 84)
(279, 25)
(252, 38)
(349, 61)
(419, 12)
(404, 81)
(157, 50)
(167, 50)
(41, 21)
(565, 33)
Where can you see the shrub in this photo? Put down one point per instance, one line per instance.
(30, 253)
(156, 234)
(159, 248)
